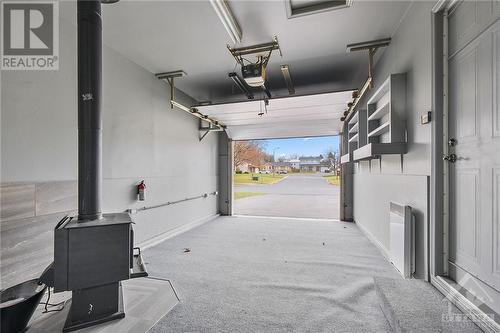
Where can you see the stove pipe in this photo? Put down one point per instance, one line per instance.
(89, 110)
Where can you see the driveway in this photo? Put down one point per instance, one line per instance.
(298, 195)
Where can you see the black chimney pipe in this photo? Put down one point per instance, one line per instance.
(89, 110)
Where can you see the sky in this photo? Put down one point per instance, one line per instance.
(301, 146)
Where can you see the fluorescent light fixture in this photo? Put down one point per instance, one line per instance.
(285, 70)
(227, 18)
(240, 84)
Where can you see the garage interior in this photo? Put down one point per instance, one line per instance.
(116, 189)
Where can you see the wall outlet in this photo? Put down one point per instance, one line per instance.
(425, 118)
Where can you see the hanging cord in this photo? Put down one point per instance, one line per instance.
(47, 304)
(63, 303)
(170, 283)
(260, 109)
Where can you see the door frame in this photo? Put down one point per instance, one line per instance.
(439, 194)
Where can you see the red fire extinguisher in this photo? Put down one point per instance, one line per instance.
(140, 190)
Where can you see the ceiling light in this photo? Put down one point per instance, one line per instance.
(296, 8)
(240, 84)
(227, 18)
(288, 79)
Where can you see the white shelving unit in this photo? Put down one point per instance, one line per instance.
(354, 138)
(356, 135)
(384, 128)
(386, 120)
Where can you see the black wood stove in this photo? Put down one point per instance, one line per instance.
(93, 252)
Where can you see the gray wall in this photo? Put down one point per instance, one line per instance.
(142, 139)
(395, 178)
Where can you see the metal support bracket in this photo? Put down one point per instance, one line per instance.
(264, 50)
(372, 47)
(169, 78)
(208, 129)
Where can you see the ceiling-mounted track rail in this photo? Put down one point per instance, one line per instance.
(372, 47)
(213, 124)
(194, 111)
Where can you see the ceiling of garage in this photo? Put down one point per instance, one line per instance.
(164, 36)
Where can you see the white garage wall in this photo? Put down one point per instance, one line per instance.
(142, 139)
(403, 180)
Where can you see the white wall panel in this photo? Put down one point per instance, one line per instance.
(372, 195)
(143, 138)
(403, 180)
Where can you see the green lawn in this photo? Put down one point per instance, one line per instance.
(263, 178)
(332, 179)
(241, 195)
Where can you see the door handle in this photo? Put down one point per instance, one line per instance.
(452, 142)
(452, 158)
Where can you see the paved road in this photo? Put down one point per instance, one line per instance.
(299, 195)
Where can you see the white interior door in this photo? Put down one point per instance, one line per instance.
(474, 124)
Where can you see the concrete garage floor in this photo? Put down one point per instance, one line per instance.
(299, 195)
(248, 274)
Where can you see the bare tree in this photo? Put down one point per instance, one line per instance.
(250, 152)
(333, 158)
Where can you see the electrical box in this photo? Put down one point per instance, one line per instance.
(425, 118)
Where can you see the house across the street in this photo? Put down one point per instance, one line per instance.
(310, 163)
(277, 167)
(248, 167)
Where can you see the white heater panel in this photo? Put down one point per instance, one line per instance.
(402, 248)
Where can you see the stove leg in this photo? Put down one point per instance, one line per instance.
(93, 306)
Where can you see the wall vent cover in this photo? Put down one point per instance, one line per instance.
(297, 8)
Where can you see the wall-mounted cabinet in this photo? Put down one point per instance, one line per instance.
(356, 135)
(386, 120)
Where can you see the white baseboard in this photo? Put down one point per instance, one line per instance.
(175, 232)
(286, 218)
(375, 242)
